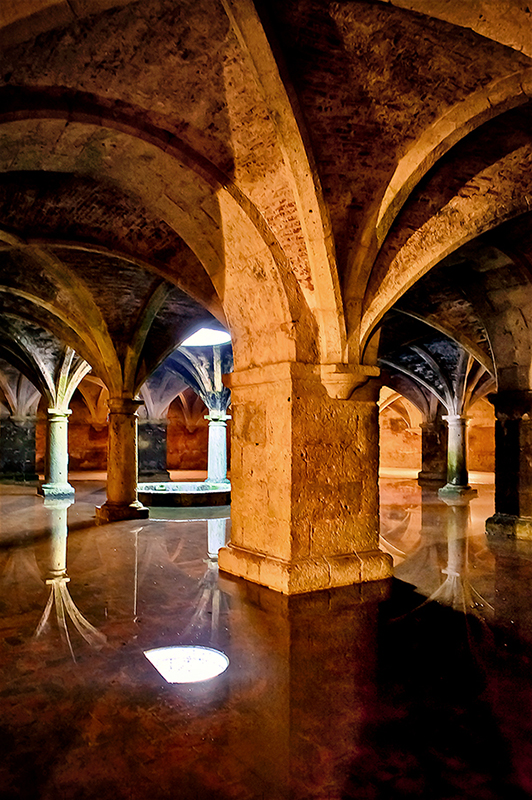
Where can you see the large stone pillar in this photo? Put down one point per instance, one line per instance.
(152, 441)
(56, 483)
(217, 452)
(457, 474)
(433, 453)
(122, 466)
(513, 464)
(17, 449)
(304, 475)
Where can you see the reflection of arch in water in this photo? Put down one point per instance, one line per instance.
(395, 530)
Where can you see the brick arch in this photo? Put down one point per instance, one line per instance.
(260, 295)
(465, 216)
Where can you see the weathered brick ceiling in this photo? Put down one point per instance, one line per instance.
(79, 211)
(141, 140)
(371, 78)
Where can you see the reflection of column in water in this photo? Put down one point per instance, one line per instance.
(57, 552)
(457, 531)
(303, 670)
(216, 533)
(58, 579)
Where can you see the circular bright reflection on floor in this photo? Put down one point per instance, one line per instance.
(187, 663)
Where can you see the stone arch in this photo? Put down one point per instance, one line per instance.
(466, 216)
(214, 218)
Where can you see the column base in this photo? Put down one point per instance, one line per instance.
(450, 490)
(306, 574)
(510, 526)
(431, 479)
(115, 512)
(224, 482)
(56, 491)
(155, 476)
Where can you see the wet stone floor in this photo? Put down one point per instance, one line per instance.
(418, 687)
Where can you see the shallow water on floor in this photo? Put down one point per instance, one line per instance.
(417, 687)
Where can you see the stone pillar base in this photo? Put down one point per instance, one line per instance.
(160, 476)
(450, 490)
(433, 479)
(510, 526)
(115, 512)
(56, 491)
(306, 574)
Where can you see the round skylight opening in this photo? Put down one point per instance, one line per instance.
(206, 337)
(187, 663)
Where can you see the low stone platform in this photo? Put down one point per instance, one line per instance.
(187, 493)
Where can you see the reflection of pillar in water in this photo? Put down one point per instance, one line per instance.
(303, 667)
(58, 579)
(457, 529)
(216, 532)
(57, 552)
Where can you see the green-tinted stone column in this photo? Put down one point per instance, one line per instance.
(457, 474)
(56, 483)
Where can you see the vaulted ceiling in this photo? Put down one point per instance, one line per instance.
(304, 172)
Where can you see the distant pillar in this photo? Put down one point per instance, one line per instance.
(17, 450)
(216, 533)
(433, 453)
(217, 454)
(56, 483)
(152, 441)
(457, 474)
(513, 464)
(122, 465)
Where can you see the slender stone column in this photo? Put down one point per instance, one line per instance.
(433, 453)
(122, 502)
(457, 475)
(56, 483)
(304, 476)
(217, 453)
(513, 464)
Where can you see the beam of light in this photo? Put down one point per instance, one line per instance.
(206, 336)
(187, 663)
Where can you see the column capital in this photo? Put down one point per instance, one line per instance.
(455, 419)
(59, 413)
(515, 404)
(339, 381)
(124, 405)
(217, 416)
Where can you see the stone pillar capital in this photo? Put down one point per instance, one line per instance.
(59, 414)
(512, 404)
(455, 419)
(217, 417)
(124, 405)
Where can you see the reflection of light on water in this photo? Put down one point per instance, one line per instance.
(187, 664)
